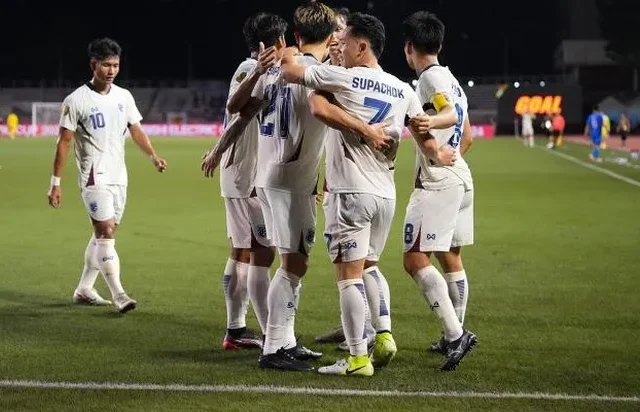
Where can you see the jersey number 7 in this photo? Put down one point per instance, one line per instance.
(267, 127)
(381, 106)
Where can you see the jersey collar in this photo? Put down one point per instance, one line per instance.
(93, 89)
(427, 68)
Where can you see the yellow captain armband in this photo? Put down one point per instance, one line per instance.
(440, 101)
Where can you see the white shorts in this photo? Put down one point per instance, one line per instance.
(438, 220)
(290, 219)
(245, 223)
(105, 202)
(357, 225)
(527, 131)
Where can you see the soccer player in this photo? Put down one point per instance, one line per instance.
(360, 199)
(95, 116)
(558, 125)
(335, 57)
(439, 217)
(527, 129)
(246, 275)
(623, 127)
(290, 147)
(593, 130)
(12, 124)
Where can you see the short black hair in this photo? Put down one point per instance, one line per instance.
(596, 107)
(425, 32)
(102, 49)
(342, 11)
(314, 21)
(263, 27)
(368, 27)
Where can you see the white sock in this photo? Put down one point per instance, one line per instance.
(458, 292)
(234, 285)
(258, 280)
(532, 141)
(109, 264)
(353, 308)
(434, 288)
(379, 298)
(290, 335)
(90, 271)
(281, 301)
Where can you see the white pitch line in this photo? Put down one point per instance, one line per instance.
(595, 168)
(34, 384)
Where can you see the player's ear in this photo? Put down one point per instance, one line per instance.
(92, 64)
(296, 36)
(362, 47)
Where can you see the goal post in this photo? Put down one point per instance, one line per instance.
(44, 113)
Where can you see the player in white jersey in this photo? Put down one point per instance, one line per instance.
(360, 202)
(527, 129)
(246, 275)
(96, 116)
(439, 216)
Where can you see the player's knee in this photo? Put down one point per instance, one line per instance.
(450, 261)
(296, 263)
(414, 261)
(105, 230)
(240, 255)
(262, 256)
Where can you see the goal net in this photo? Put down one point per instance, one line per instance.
(44, 113)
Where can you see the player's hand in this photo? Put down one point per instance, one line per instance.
(210, 162)
(159, 163)
(377, 137)
(446, 156)
(421, 124)
(266, 58)
(55, 196)
(288, 55)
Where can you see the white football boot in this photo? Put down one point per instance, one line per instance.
(124, 303)
(89, 297)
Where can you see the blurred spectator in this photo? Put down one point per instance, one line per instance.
(624, 126)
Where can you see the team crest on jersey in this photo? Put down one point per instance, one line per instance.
(240, 77)
(262, 231)
(311, 235)
(120, 107)
(93, 206)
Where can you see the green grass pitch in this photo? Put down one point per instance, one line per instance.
(554, 291)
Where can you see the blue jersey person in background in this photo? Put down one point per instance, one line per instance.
(593, 130)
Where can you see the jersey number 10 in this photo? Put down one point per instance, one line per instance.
(454, 141)
(97, 120)
(271, 94)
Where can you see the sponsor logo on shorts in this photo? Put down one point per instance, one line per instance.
(262, 231)
(104, 259)
(431, 236)
(93, 206)
(351, 244)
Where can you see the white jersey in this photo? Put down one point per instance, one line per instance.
(373, 96)
(238, 162)
(100, 123)
(291, 139)
(527, 121)
(435, 84)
